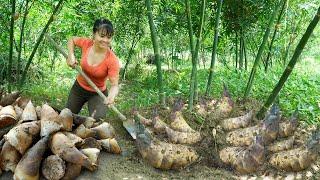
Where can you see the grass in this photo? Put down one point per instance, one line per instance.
(140, 90)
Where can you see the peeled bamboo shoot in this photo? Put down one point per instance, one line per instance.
(60, 145)
(9, 157)
(29, 165)
(22, 135)
(53, 167)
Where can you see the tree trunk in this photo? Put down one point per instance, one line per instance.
(241, 42)
(291, 64)
(13, 9)
(53, 60)
(236, 50)
(6, 26)
(24, 74)
(253, 47)
(133, 44)
(285, 24)
(274, 34)
(260, 51)
(172, 55)
(245, 55)
(193, 80)
(22, 38)
(155, 44)
(215, 45)
(196, 55)
(291, 40)
(135, 40)
(123, 75)
(40, 52)
(241, 50)
(194, 65)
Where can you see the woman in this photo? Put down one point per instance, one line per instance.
(99, 63)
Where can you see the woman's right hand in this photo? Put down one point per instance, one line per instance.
(71, 61)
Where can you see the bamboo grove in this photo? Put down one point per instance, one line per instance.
(243, 36)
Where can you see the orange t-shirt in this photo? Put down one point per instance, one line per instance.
(109, 67)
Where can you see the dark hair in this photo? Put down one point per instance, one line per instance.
(103, 27)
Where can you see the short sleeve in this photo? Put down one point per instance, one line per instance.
(114, 68)
(82, 42)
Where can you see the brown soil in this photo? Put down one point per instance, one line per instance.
(129, 165)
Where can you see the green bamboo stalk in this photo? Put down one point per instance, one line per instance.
(285, 22)
(245, 55)
(241, 50)
(237, 56)
(260, 51)
(13, 10)
(241, 42)
(190, 31)
(22, 38)
(196, 55)
(292, 63)
(194, 52)
(135, 40)
(215, 45)
(274, 33)
(155, 44)
(24, 74)
(291, 40)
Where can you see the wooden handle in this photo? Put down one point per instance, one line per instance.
(112, 107)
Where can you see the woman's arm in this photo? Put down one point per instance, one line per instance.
(114, 89)
(71, 61)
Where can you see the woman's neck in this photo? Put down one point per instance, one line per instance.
(97, 49)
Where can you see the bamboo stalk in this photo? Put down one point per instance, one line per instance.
(190, 31)
(155, 44)
(292, 63)
(274, 34)
(26, 11)
(135, 40)
(24, 74)
(241, 50)
(13, 9)
(245, 55)
(215, 45)
(194, 52)
(236, 50)
(260, 51)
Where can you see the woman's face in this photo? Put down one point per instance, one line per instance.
(102, 40)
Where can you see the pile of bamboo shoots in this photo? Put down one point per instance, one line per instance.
(176, 153)
(61, 143)
(251, 145)
(270, 141)
(247, 151)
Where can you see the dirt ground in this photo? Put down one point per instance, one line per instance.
(130, 165)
